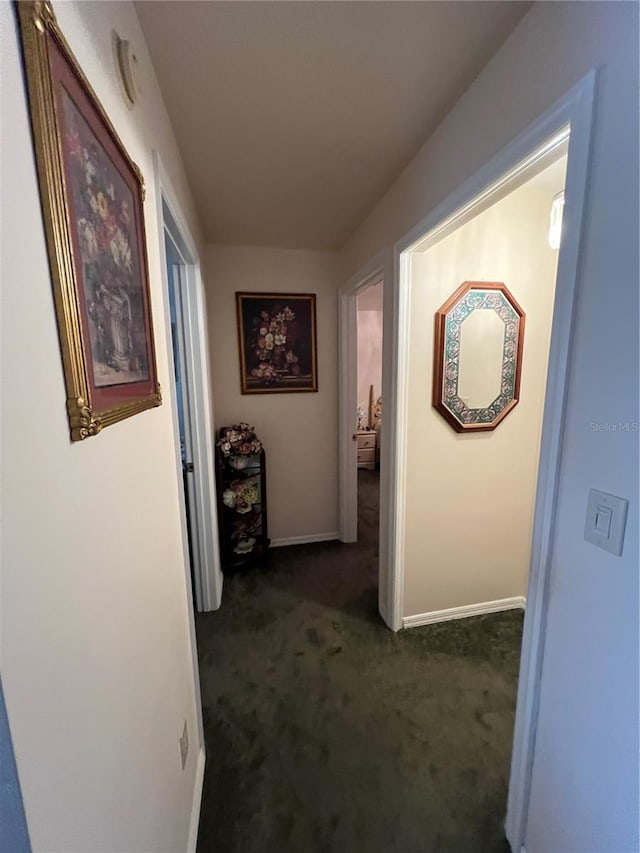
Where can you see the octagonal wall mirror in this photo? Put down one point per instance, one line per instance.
(479, 334)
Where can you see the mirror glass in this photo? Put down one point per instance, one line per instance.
(481, 351)
(478, 348)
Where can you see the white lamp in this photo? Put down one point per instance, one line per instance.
(555, 220)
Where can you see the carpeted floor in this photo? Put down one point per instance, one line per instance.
(327, 733)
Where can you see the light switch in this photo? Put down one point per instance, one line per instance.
(605, 521)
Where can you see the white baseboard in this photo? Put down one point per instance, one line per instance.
(304, 540)
(197, 802)
(463, 612)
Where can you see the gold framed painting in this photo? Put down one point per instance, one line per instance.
(92, 198)
(277, 342)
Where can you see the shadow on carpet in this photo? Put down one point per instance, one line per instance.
(328, 733)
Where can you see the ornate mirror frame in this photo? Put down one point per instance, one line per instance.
(474, 296)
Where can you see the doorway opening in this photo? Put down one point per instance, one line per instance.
(472, 498)
(476, 397)
(564, 131)
(368, 422)
(368, 418)
(191, 402)
(376, 500)
(569, 118)
(176, 273)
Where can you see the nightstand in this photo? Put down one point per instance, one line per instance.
(366, 439)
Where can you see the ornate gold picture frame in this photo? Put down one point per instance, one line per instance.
(277, 342)
(92, 198)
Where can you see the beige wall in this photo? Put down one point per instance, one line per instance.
(96, 650)
(299, 430)
(470, 497)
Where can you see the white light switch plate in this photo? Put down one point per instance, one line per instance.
(605, 521)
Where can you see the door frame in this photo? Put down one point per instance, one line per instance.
(575, 112)
(207, 572)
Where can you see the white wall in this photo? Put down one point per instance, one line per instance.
(299, 430)
(96, 650)
(470, 496)
(585, 782)
(369, 345)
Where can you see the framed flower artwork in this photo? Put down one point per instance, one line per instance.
(92, 199)
(277, 341)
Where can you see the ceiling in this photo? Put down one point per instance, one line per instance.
(293, 118)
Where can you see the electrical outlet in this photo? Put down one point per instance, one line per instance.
(184, 745)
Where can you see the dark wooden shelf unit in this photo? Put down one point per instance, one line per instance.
(234, 526)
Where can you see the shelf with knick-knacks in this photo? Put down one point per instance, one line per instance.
(242, 496)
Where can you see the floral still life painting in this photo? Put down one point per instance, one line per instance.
(277, 340)
(113, 294)
(92, 199)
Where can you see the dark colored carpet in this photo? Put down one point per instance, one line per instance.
(327, 733)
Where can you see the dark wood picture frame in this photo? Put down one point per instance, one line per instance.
(92, 198)
(488, 418)
(277, 342)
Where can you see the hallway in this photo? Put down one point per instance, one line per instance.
(327, 732)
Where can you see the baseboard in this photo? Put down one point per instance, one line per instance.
(463, 612)
(197, 802)
(304, 540)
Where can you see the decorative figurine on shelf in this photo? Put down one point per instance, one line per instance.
(242, 495)
(237, 443)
